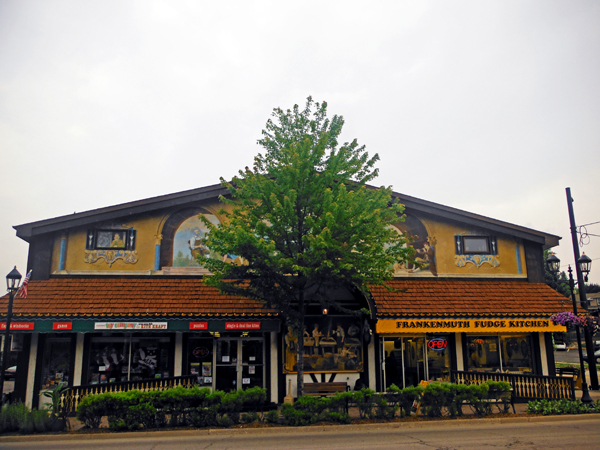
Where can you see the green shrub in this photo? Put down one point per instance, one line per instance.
(18, 417)
(272, 416)
(364, 401)
(250, 417)
(297, 417)
(225, 422)
(90, 410)
(437, 396)
(254, 399)
(404, 398)
(335, 417)
(204, 416)
(564, 406)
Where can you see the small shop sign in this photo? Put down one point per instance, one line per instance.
(438, 344)
(198, 325)
(118, 326)
(18, 326)
(467, 325)
(242, 325)
(62, 326)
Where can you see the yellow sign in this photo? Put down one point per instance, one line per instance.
(472, 326)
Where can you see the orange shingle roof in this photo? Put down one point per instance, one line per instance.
(189, 297)
(130, 296)
(467, 297)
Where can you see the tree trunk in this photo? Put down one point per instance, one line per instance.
(300, 346)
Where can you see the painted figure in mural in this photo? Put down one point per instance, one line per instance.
(340, 337)
(117, 241)
(291, 347)
(196, 247)
(314, 341)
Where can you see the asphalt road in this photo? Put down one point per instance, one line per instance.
(580, 432)
(567, 356)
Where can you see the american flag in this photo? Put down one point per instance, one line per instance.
(23, 291)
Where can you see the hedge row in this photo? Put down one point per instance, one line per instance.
(198, 407)
(557, 407)
(435, 400)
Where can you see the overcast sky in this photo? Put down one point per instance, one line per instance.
(491, 107)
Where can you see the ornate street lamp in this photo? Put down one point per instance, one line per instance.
(553, 265)
(13, 280)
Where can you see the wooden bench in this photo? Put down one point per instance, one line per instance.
(568, 371)
(324, 389)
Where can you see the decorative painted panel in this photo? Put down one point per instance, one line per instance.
(187, 243)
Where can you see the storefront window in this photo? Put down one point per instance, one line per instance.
(128, 358)
(516, 353)
(56, 362)
(200, 359)
(331, 344)
(508, 353)
(483, 353)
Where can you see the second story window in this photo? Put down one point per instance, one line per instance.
(476, 245)
(104, 239)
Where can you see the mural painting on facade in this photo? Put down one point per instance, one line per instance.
(477, 260)
(424, 246)
(187, 243)
(331, 344)
(111, 245)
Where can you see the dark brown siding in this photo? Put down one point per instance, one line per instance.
(40, 257)
(534, 258)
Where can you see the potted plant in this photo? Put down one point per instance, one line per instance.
(58, 416)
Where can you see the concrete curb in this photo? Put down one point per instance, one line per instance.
(177, 432)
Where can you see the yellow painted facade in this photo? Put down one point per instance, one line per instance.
(149, 231)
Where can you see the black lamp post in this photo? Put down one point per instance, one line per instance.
(13, 279)
(553, 264)
(583, 264)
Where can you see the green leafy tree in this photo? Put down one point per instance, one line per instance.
(304, 222)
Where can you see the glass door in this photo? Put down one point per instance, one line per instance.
(240, 363)
(415, 361)
(227, 365)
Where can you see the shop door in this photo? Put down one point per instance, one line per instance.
(240, 363)
(415, 361)
(405, 362)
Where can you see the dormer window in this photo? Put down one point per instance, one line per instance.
(105, 239)
(476, 245)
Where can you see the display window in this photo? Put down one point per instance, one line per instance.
(331, 344)
(200, 359)
(128, 358)
(506, 353)
(56, 362)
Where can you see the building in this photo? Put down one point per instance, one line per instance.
(117, 295)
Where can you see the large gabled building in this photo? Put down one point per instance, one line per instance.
(117, 295)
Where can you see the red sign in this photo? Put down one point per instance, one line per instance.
(198, 325)
(62, 326)
(242, 325)
(18, 326)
